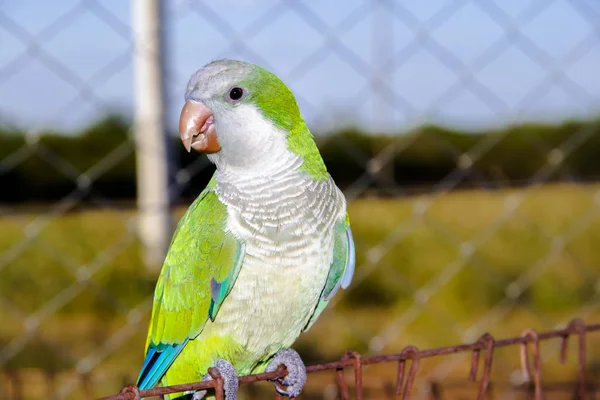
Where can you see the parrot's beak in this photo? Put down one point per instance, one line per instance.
(196, 128)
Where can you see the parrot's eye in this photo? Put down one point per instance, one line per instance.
(236, 93)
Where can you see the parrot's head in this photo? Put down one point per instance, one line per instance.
(240, 114)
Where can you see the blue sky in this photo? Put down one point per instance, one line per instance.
(327, 51)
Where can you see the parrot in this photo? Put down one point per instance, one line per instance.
(262, 249)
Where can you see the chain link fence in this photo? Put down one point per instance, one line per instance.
(490, 228)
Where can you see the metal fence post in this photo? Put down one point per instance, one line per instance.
(154, 222)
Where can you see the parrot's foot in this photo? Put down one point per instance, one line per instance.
(230, 381)
(296, 372)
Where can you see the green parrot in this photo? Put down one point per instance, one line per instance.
(263, 248)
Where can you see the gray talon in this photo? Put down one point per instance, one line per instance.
(230, 381)
(296, 376)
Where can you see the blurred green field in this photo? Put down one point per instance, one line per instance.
(432, 270)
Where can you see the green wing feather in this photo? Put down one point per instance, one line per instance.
(342, 266)
(200, 269)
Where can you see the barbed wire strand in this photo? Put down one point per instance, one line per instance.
(486, 343)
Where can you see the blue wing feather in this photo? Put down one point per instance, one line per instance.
(350, 261)
(342, 268)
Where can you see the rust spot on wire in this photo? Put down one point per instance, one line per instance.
(412, 353)
(219, 384)
(342, 384)
(487, 342)
(354, 360)
(531, 335)
(283, 370)
(577, 326)
(131, 392)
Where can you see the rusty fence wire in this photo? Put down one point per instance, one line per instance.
(405, 376)
(437, 263)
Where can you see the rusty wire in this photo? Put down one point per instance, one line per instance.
(354, 360)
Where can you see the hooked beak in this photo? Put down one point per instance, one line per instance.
(196, 128)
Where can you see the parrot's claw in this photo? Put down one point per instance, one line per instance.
(230, 381)
(296, 372)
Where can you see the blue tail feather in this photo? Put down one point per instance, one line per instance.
(156, 364)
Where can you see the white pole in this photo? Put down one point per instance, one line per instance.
(154, 222)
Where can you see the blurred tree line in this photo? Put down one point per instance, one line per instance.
(48, 167)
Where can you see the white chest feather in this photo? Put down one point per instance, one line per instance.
(286, 224)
